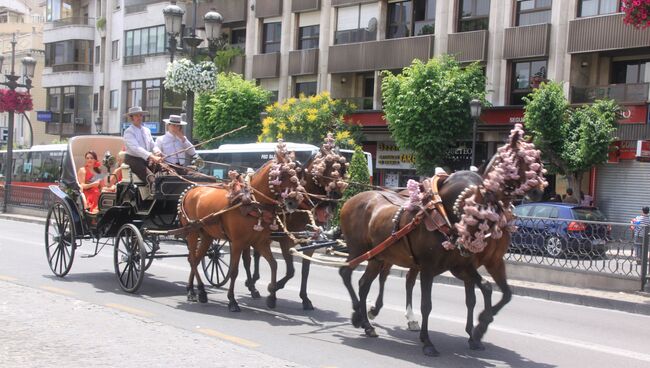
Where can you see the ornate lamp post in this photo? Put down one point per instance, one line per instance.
(475, 111)
(173, 22)
(29, 64)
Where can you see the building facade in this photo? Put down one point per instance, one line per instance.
(103, 56)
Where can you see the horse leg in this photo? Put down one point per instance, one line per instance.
(498, 273)
(411, 277)
(236, 249)
(265, 251)
(285, 245)
(470, 303)
(256, 266)
(379, 303)
(249, 283)
(306, 303)
(346, 275)
(192, 243)
(426, 282)
(204, 244)
(487, 315)
(372, 270)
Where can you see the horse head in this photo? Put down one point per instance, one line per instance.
(326, 170)
(283, 181)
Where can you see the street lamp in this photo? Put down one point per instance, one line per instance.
(29, 65)
(475, 112)
(173, 22)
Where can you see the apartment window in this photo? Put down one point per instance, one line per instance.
(69, 55)
(238, 38)
(114, 99)
(474, 15)
(411, 18)
(356, 23)
(526, 76)
(271, 37)
(589, 8)
(629, 72)
(531, 12)
(143, 42)
(70, 104)
(97, 55)
(95, 101)
(115, 50)
(60, 9)
(308, 37)
(306, 89)
(146, 93)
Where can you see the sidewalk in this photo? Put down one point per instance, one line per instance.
(637, 302)
(44, 329)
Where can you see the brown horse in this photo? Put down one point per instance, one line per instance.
(322, 176)
(273, 187)
(476, 207)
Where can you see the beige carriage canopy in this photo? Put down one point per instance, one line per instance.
(78, 146)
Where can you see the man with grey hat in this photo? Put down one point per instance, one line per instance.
(174, 145)
(140, 147)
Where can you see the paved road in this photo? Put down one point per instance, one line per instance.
(528, 333)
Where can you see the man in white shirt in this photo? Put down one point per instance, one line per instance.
(174, 145)
(140, 147)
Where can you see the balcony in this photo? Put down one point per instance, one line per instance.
(237, 64)
(73, 28)
(526, 42)
(468, 46)
(303, 62)
(72, 21)
(298, 6)
(360, 103)
(268, 8)
(379, 55)
(606, 32)
(66, 129)
(72, 67)
(266, 65)
(621, 93)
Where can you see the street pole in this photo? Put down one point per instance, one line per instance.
(474, 143)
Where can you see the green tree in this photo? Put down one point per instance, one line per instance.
(359, 176)
(308, 120)
(572, 141)
(235, 102)
(427, 107)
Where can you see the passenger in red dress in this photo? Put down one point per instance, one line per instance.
(88, 181)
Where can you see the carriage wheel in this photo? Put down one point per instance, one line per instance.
(216, 263)
(129, 258)
(151, 245)
(60, 241)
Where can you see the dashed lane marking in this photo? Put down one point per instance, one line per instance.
(57, 290)
(233, 339)
(7, 278)
(124, 308)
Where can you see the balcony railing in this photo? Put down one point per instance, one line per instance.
(633, 92)
(66, 129)
(360, 103)
(72, 67)
(139, 59)
(81, 21)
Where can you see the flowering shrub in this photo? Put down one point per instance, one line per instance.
(15, 101)
(637, 12)
(183, 75)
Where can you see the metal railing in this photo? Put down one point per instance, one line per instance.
(38, 198)
(83, 21)
(360, 103)
(631, 92)
(592, 246)
(72, 67)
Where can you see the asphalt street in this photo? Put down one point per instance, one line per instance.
(527, 333)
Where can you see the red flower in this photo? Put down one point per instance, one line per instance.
(636, 12)
(11, 100)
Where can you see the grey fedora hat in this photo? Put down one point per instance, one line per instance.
(135, 110)
(175, 120)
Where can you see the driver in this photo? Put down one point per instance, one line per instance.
(174, 145)
(141, 150)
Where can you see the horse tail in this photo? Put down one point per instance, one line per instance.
(181, 201)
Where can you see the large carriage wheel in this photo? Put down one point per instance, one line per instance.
(60, 241)
(216, 263)
(129, 258)
(151, 244)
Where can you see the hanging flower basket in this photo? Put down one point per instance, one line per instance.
(637, 13)
(15, 101)
(183, 75)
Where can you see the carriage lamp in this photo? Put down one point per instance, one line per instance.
(475, 111)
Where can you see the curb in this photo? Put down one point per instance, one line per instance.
(22, 218)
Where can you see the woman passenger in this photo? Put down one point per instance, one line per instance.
(87, 181)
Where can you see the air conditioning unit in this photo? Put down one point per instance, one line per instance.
(79, 121)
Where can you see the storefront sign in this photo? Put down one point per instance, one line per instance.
(44, 116)
(634, 114)
(622, 150)
(643, 150)
(389, 156)
(502, 116)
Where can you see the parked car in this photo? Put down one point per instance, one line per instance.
(560, 230)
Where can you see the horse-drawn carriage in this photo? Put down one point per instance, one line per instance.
(130, 217)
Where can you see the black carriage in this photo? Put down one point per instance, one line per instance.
(131, 218)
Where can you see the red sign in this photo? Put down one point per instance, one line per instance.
(634, 114)
(502, 115)
(622, 150)
(367, 118)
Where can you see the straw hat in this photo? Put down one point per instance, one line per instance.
(136, 110)
(175, 120)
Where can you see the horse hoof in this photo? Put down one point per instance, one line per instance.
(270, 302)
(414, 326)
(233, 307)
(203, 297)
(191, 296)
(372, 313)
(429, 350)
(370, 332)
(356, 319)
(255, 294)
(476, 345)
(306, 305)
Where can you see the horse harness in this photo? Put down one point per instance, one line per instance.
(432, 211)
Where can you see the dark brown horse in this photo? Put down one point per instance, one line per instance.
(476, 207)
(322, 176)
(273, 186)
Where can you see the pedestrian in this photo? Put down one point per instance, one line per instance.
(586, 200)
(568, 198)
(639, 224)
(141, 151)
(174, 145)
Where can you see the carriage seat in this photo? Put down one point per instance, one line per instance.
(127, 175)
